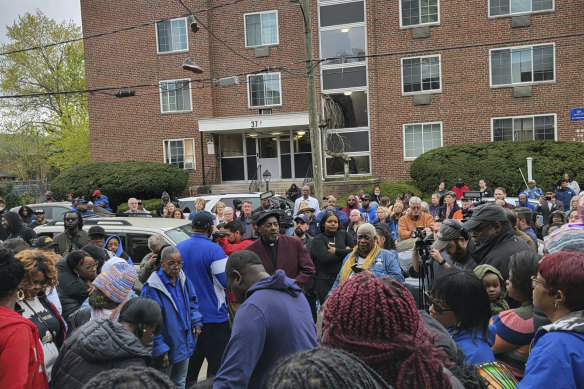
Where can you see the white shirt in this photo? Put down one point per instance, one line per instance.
(311, 201)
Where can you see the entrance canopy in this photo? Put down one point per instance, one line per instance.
(255, 123)
(252, 145)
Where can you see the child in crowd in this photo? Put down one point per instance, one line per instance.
(495, 285)
(114, 244)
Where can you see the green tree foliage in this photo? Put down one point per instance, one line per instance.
(498, 163)
(12, 200)
(61, 120)
(24, 154)
(121, 180)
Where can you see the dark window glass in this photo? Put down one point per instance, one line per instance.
(349, 77)
(346, 111)
(346, 13)
(346, 142)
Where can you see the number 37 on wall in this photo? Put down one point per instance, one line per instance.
(256, 123)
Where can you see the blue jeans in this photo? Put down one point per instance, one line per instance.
(178, 373)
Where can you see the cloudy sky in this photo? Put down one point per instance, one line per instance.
(60, 10)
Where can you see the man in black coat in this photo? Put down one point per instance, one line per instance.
(493, 237)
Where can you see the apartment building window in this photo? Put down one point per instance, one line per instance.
(172, 35)
(519, 65)
(261, 29)
(421, 74)
(264, 90)
(421, 137)
(520, 128)
(180, 152)
(415, 12)
(175, 96)
(510, 7)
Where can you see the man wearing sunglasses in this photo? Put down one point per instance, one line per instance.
(493, 237)
(73, 238)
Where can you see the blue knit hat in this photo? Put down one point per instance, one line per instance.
(117, 281)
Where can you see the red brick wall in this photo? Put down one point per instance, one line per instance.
(133, 128)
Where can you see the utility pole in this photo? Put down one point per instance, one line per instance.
(312, 111)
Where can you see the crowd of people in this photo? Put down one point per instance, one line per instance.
(245, 293)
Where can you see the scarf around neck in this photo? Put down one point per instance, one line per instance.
(352, 259)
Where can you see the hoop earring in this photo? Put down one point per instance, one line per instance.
(20, 294)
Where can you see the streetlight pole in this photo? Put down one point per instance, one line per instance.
(312, 111)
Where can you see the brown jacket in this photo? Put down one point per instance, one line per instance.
(525, 237)
(407, 224)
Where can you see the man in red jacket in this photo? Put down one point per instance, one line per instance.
(281, 251)
(232, 242)
(460, 188)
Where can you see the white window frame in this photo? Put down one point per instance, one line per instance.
(249, 91)
(436, 23)
(164, 152)
(261, 13)
(555, 116)
(190, 96)
(415, 124)
(520, 13)
(422, 92)
(171, 51)
(552, 81)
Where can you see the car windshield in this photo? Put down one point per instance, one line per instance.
(179, 234)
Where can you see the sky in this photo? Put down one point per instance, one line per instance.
(60, 10)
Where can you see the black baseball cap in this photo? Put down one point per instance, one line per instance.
(366, 197)
(202, 220)
(486, 213)
(39, 211)
(44, 242)
(96, 230)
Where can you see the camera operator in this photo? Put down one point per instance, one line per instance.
(413, 219)
(453, 240)
(233, 240)
(438, 257)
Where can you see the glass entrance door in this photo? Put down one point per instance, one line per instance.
(268, 156)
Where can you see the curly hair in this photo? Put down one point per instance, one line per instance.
(37, 260)
(133, 377)
(377, 321)
(324, 367)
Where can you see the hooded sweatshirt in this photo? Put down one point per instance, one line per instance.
(15, 229)
(274, 321)
(21, 354)
(29, 215)
(499, 304)
(120, 253)
(97, 346)
(557, 355)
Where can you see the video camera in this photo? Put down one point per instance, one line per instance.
(476, 197)
(425, 238)
(285, 216)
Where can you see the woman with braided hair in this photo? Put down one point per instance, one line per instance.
(377, 321)
(133, 377)
(324, 367)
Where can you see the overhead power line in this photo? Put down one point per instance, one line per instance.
(116, 31)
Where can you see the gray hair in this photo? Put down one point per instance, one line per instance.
(168, 250)
(366, 229)
(354, 211)
(227, 210)
(155, 240)
(424, 205)
(415, 200)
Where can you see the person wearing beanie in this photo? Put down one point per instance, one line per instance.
(377, 321)
(113, 287)
(367, 255)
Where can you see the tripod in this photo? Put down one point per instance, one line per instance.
(426, 273)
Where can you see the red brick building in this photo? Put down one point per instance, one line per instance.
(401, 76)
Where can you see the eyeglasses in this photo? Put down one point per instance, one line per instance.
(174, 264)
(439, 310)
(535, 281)
(90, 267)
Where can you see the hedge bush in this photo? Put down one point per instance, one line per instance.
(150, 205)
(498, 163)
(120, 180)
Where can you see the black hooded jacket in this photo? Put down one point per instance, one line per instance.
(71, 289)
(15, 229)
(29, 216)
(498, 251)
(96, 346)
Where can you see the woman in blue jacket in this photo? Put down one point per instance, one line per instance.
(459, 301)
(557, 350)
(368, 256)
(175, 294)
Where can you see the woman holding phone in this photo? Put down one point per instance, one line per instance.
(327, 252)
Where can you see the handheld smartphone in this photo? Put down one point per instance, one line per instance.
(356, 268)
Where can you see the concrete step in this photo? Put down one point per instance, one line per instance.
(279, 187)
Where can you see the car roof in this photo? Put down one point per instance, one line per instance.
(220, 195)
(132, 221)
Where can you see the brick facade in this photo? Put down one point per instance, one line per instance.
(134, 128)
